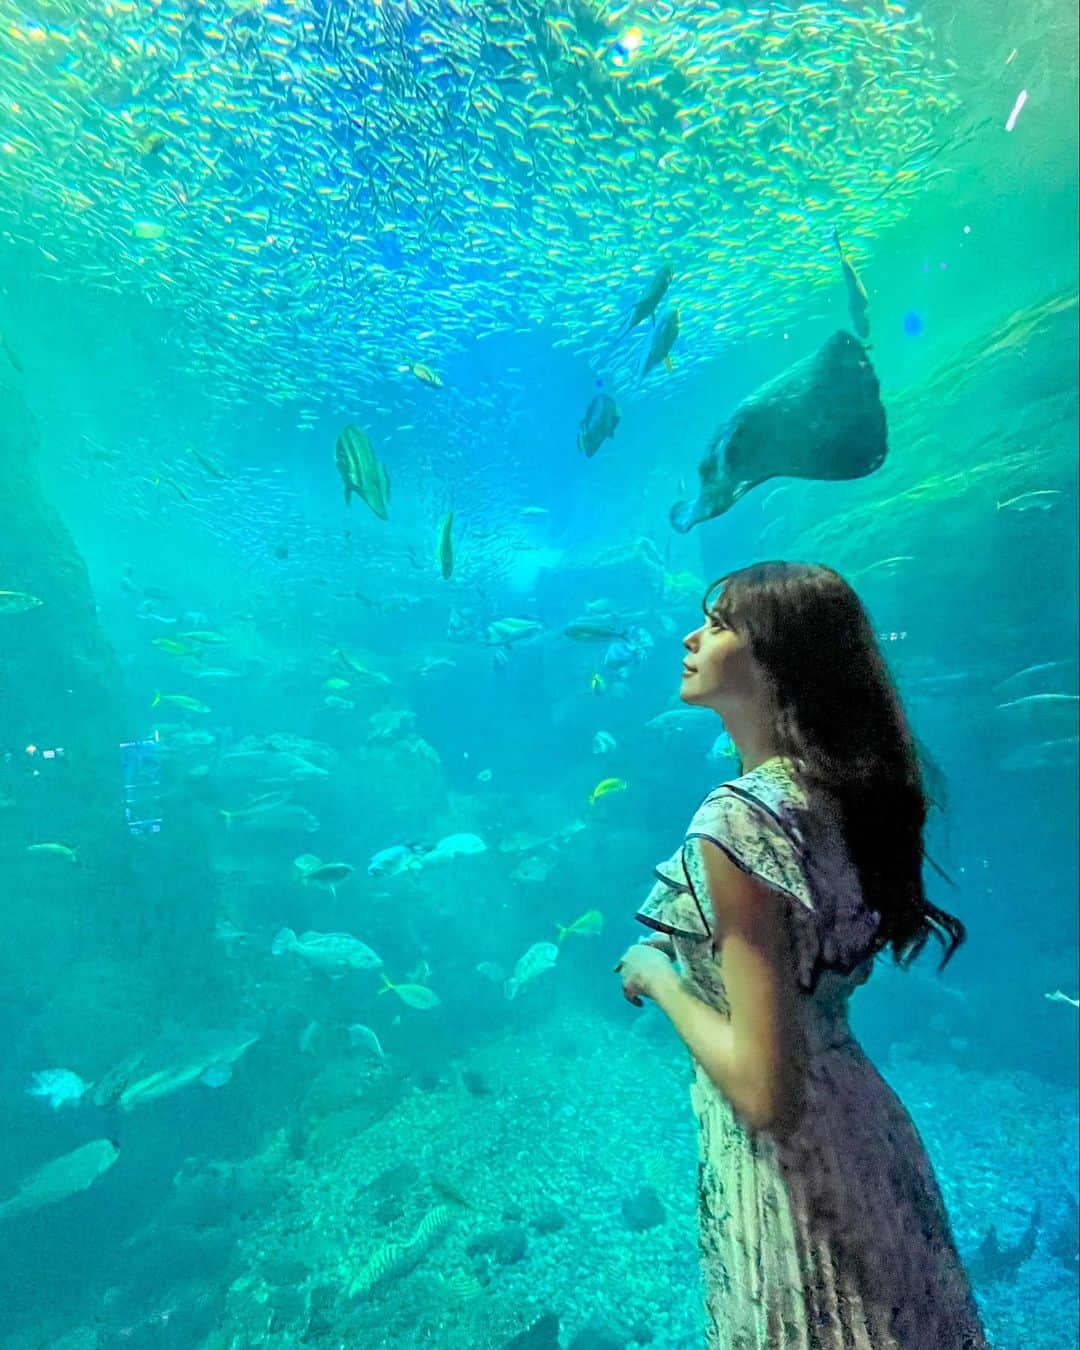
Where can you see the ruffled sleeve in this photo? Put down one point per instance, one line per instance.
(757, 839)
(761, 826)
(673, 905)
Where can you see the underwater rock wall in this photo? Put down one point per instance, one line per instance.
(59, 680)
(92, 912)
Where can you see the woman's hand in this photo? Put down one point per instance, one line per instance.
(645, 970)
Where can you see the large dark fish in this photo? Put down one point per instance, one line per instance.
(858, 302)
(995, 1261)
(821, 418)
(663, 339)
(645, 308)
(361, 472)
(600, 420)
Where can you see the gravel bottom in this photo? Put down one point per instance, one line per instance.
(581, 1114)
(596, 1115)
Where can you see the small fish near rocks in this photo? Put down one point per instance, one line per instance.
(334, 952)
(503, 632)
(398, 858)
(417, 996)
(52, 850)
(18, 602)
(314, 872)
(541, 956)
(821, 418)
(452, 846)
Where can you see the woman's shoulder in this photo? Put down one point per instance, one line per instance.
(771, 803)
(766, 803)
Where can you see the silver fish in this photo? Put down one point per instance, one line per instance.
(663, 339)
(63, 1176)
(267, 766)
(541, 956)
(327, 951)
(208, 1052)
(280, 816)
(315, 872)
(645, 306)
(361, 472)
(363, 1036)
(504, 631)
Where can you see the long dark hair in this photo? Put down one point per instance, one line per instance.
(842, 726)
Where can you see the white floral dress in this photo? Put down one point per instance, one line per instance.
(835, 1237)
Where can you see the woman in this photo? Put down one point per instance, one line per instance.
(822, 1226)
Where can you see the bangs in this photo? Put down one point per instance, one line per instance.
(742, 599)
(719, 601)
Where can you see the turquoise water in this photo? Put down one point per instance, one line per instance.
(227, 233)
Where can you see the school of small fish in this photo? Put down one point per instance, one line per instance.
(336, 193)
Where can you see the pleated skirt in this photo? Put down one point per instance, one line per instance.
(835, 1237)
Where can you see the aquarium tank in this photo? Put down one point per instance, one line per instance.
(384, 382)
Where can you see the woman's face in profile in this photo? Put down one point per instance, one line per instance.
(718, 666)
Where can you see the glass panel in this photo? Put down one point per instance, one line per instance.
(385, 387)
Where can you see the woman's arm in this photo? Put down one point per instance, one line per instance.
(754, 1053)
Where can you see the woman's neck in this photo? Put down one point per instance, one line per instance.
(753, 736)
